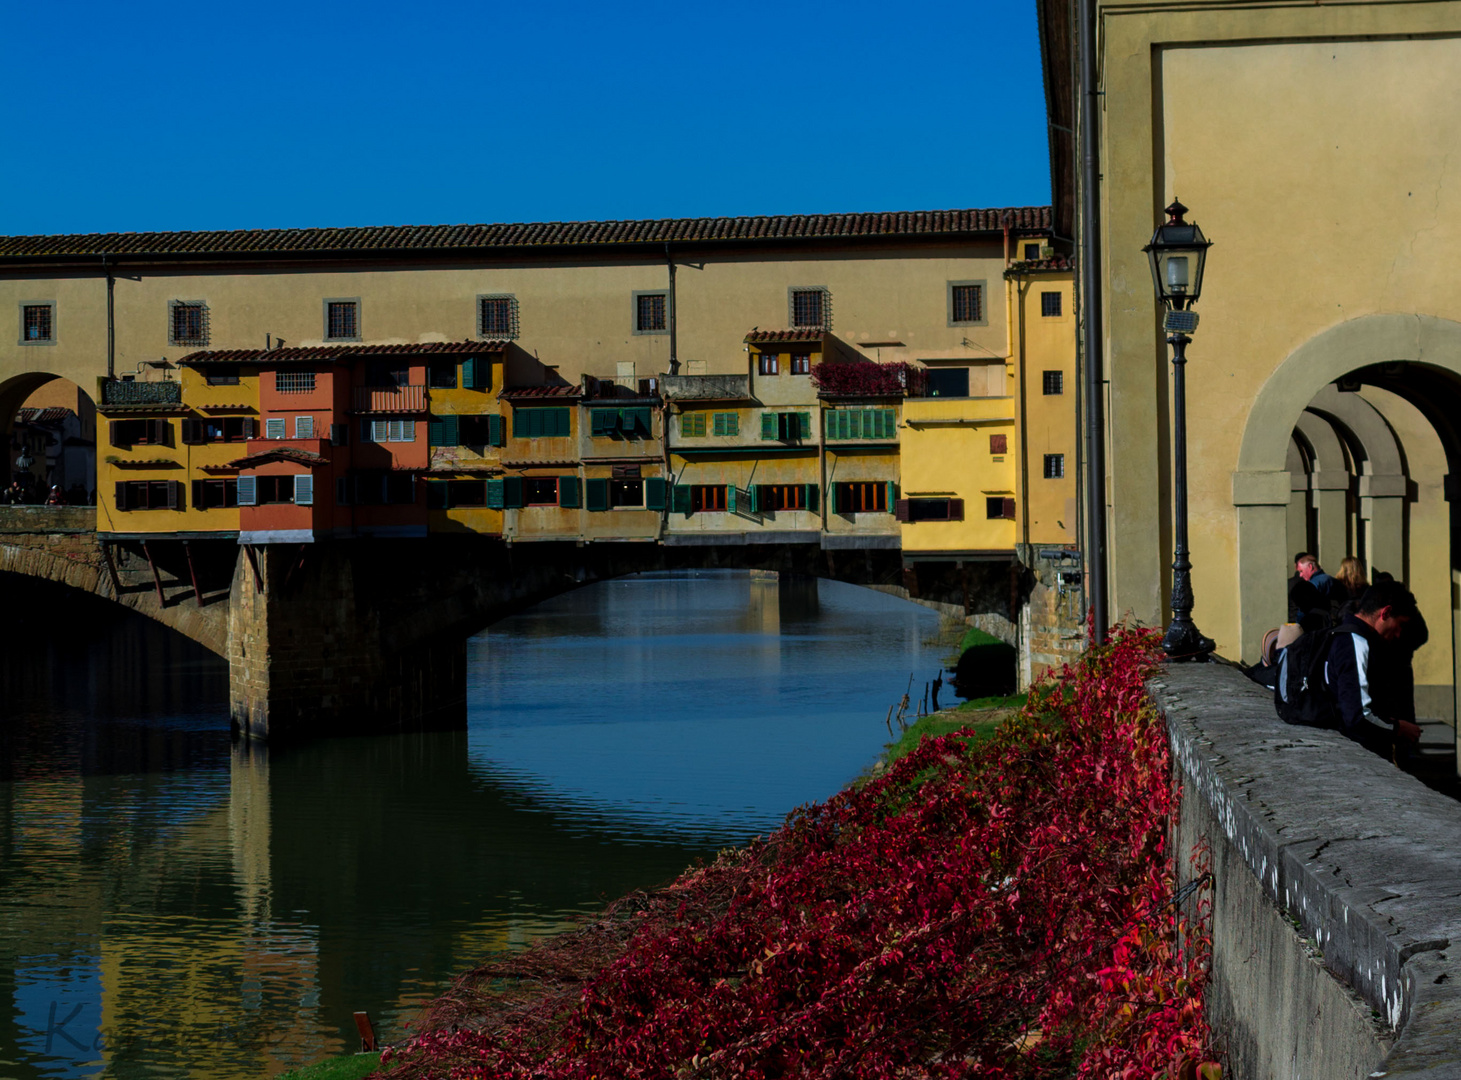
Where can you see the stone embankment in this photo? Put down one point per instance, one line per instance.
(1337, 903)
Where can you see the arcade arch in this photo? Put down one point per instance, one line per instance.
(49, 427)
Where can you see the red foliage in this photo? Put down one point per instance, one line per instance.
(863, 378)
(993, 910)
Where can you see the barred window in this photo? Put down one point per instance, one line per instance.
(294, 382)
(650, 313)
(1050, 306)
(1053, 382)
(189, 323)
(1054, 466)
(342, 320)
(37, 323)
(968, 303)
(497, 316)
(808, 308)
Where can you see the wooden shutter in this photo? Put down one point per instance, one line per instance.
(304, 427)
(469, 373)
(304, 490)
(568, 492)
(1008, 509)
(451, 431)
(561, 424)
(198, 500)
(496, 494)
(892, 495)
(654, 493)
(831, 498)
(732, 498)
(900, 510)
(191, 435)
(496, 430)
(433, 431)
(250, 428)
(162, 432)
(114, 434)
(680, 499)
(512, 492)
(644, 422)
(810, 497)
(274, 428)
(804, 424)
(755, 498)
(769, 424)
(999, 444)
(520, 421)
(687, 425)
(248, 487)
(596, 494)
(122, 495)
(339, 434)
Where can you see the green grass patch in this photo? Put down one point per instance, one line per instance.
(1008, 701)
(975, 636)
(346, 1067)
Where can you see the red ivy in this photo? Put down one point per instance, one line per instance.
(996, 910)
(863, 378)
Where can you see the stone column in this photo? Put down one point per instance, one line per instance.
(1331, 505)
(1262, 501)
(1382, 504)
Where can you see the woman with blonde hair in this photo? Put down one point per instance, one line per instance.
(1352, 576)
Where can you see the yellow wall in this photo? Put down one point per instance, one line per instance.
(945, 452)
(1047, 508)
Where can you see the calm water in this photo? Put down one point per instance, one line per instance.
(172, 905)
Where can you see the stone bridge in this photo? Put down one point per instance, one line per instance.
(370, 635)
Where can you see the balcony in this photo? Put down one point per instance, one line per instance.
(141, 393)
(705, 387)
(388, 399)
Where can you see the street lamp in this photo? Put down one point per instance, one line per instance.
(1178, 254)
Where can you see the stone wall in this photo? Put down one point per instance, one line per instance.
(1336, 890)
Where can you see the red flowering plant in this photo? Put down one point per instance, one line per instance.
(864, 378)
(981, 909)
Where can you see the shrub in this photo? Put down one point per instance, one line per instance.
(863, 378)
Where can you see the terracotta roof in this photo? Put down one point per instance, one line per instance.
(42, 416)
(566, 392)
(146, 463)
(282, 453)
(389, 238)
(332, 353)
(815, 333)
(227, 408)
(1054, 264)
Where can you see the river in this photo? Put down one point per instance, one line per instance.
(173, 905)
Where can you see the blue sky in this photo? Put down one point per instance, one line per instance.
(214, 116)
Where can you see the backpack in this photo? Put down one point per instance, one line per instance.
(1299, 693)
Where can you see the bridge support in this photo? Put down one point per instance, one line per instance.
(312, 651)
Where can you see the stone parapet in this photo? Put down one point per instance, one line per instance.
(1309, 830)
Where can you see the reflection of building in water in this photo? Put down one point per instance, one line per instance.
(248, 828)
(763, 610)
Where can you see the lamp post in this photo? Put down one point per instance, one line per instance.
(1178, 255)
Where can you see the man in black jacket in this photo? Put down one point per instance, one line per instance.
(1380, 616)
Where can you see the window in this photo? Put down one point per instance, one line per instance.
(860, 497)
(442, 375)
(149, 495)
(1053, 382)
(999, 444)
(937, 509)
(267, 489)
(377, 488)
(342, 320)
(649, 313)
(380, 431)
(692, 425)
(725, 424)
(497, 316)
(219, 429)
(947, 382)
(225, 375)
(706, 497)
(801, 363)
(809, 307)
(861, 424)
(632, 423)
(540, 491)
(540, 423)
(125, 433)
(304, 427)
(213, 494)
(1050, 305)
(786, 427)
(1032, 252)
(38, 323)
(481, 430)
(626, 493)
(769, 364)
(294, 382)
(771, 497)
(997, 506)
(966, 303)
(476, 373)
(274, 428)
(187, 322)
(1054, 466)
(387, 373)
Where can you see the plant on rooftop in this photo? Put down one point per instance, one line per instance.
(984, 908)
(863, 378)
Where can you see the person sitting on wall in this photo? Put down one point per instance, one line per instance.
(1309, 593)
(1356, 662)
(1350, 582)
(55, 498)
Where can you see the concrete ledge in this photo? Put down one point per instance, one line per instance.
(1363, 858)
(47, 519)
(858, 541)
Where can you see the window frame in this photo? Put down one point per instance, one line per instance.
(618, 485)
(441, 364)
(768, 364)
(983, 285)
(703, 494)
(1026, 246)
(20, 310)
(529, 500)
(1047, 295)
(801, 363)
(513, 325)
(824, 304)
(325, 314)
(1046, 382)
(173, 338)
(878, 489)
(222, 375)
(1058, 461)
(303, 375)
(664, 294)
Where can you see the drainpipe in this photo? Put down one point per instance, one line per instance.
(1090, 265)
(111, 319)
(674, 353)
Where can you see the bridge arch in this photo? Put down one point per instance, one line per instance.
(51, 421)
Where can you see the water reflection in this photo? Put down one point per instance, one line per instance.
(172, 906)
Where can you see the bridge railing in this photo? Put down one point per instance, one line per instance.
(47, 519)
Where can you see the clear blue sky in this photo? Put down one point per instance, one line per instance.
(135, 116)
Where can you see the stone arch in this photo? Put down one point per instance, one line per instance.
(1261, 482)
(73, 441)
(1329, 483)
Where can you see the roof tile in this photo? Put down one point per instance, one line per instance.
(332, 353)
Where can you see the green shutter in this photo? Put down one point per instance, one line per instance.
(512, 492)
(495, 494)
(451, 428)
(603, 422)
(433, 431)
(892, 496)
(596, 494)
(687, 425)
(654, 493)
(680, 499)
(831, 498)
(804, 423)
(732, 423)
(637, 423)
(469, 373)
(754, 502)
(496, 430)
(811, 498)
(520, 421)
(732, 498)
(568, 492)
(768, 425)
(560, 426)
